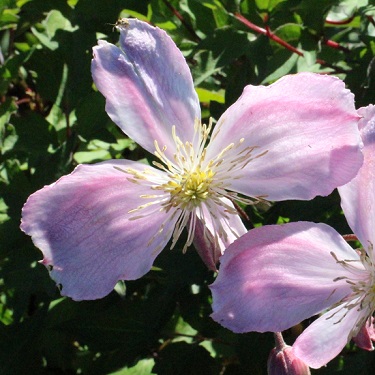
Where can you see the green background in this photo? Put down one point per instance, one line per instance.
(52, 118)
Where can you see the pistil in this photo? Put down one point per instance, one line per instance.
(191, 182)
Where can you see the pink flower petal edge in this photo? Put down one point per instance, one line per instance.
(275, 276)
(349, 313)
(150, 95)
(148, 86)
(358, 196)
(302, 128)
(88, 239)
(325, 338)
(352, 318)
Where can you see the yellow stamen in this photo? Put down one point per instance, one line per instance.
(191, 182)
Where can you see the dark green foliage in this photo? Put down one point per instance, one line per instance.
(52, 118)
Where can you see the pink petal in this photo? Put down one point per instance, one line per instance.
(147, 85)
(232, 226)
(366, 335)
(307, 125)
(81, 224)
(275, 276)
(358, 196)
(324, 339)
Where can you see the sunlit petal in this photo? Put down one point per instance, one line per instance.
(229, 224)
(303, 129)
(82, 225)
(358, 196)
(274, 277)
(324, 339)
(147, 85)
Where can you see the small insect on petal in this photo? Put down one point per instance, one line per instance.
(122, 23)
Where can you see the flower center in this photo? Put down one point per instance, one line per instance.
(362, 284)
(192, 185)
(189, 189)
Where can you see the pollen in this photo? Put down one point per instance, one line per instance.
(189, 190)
(192, 185)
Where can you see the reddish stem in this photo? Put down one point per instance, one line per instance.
(343, 22)
(249, 24)
(268, 33)
(350, 237)
(333, 44)
(23, 100)
(288, 46)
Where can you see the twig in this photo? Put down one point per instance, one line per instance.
(268, 33)
(285, 44)
(342, 22)
(333, 44)
(23, 101)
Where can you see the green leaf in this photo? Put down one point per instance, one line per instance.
(226, 45)
(8, 135)
(54, 21)
(184, 359)
(314, 12)
(281, 66)
(91, 117)
(34, 134)
(143, 367)
(205, 96)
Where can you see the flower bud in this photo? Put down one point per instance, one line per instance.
(282, 360)
(366, 335)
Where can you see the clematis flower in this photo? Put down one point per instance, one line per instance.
(108, 221)
(274, 277)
